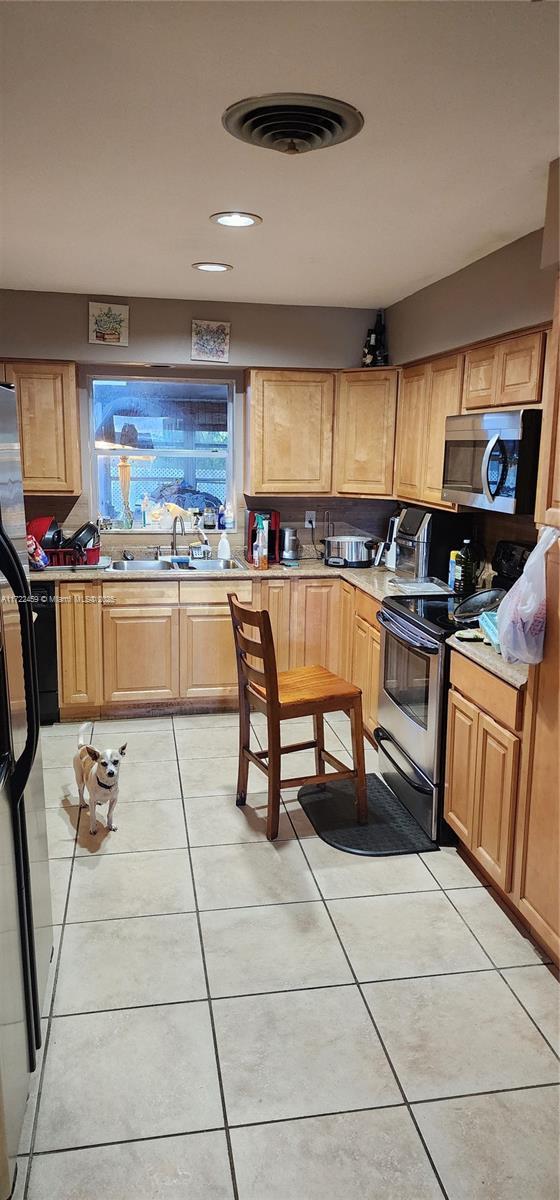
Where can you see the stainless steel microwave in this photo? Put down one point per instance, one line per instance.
(491, 460)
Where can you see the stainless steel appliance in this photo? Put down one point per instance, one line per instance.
(424, 540)
(25, 904)
(350, 551)
(491, 460)
(289, 544)
(44, 628)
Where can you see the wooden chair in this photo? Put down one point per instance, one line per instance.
(303, 692)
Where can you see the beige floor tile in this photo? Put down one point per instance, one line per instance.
(539, 992)
(31, 1106)
(171, 1168)
(299, 819)
(131, 885)
(285, 1055)
(253, 873)
(216, 820)
(145, 1072)
(138, 781)
(453, 1034)
(124, 964)
(21, 1174)
(276, 948)
(151, 825)
(449, 868)
(354, 1156)
(209, 742)
(506, 945)
(105, 727)
(56, 933)
(392, 937)
(63, 729)
(215, 777)
(503, 1147)
(339, 874)
(58, 751)
(142, 745)
(59, 870)
(301, 730)
(61, 830)
(338, 719)
(216, 720)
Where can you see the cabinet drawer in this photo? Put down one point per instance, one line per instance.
(492, 695)
(141, 593)
(367, 608)
(215, 593)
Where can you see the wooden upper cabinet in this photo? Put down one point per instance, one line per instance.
(47, 405)
(547, 510)
(504, 373)
(365, 432)
(290, 432)
(443, 399)
(410, 432)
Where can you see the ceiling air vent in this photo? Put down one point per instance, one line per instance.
(292, 122)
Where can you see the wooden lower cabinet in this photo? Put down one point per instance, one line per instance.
(462, 723)
(140, 653)
(79, 645)
(276, 599)
(208, 667)
(365, 668)
(314, 623)
(346, 630)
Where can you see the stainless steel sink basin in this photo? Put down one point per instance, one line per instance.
(214, 564)
(141, 564)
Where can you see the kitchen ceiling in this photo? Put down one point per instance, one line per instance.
(115, 156)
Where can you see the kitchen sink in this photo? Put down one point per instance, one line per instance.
(141, 564)
(214, 564)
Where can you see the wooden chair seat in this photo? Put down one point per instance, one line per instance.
(306, 691)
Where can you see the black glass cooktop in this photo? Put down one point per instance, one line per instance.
(433, 614)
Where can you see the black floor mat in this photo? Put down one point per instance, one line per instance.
(391, 828)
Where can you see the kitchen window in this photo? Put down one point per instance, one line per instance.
(159, 442)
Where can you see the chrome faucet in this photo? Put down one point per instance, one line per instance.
(198, 529)
(174, 533)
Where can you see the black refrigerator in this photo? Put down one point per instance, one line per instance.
(25, 898)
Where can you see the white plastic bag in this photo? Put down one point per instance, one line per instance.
(522, 613)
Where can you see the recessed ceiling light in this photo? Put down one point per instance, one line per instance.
(236, 220)
(212, 266)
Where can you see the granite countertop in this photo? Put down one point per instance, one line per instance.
(515, 674)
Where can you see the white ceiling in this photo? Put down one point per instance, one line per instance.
(115, 155)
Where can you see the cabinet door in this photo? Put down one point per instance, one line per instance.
(290, 432)
(365, 669)
(140, 653)
(481, 373)
(370, 715)
(365, 433)
(79, 644)
(314, 623)
(275, 598)
(411, 432)
(346, 631)
(460, 763)
(519, 376)
(47, 404)
(497, 753)
(547, 510)
(443, 399)
(208, 666)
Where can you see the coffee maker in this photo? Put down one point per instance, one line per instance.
(273, 517)
(290, 545)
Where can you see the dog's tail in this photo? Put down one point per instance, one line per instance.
(84, 736)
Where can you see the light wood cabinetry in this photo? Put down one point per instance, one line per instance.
(79, 645)
(314, 623)
(366, 651)
(462, 722)
(496, 769)
(208, 668)
(140, 653)
(548, 489)
(346, 629)
(47, 405)
(505, 372)
(290, 432)
(276, 599)
(366, 404)
(410, 419)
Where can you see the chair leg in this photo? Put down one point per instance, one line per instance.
(244, 743)
(319, 735)
(359, 761)
(274, 776)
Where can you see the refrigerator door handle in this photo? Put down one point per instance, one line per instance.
(12, 569)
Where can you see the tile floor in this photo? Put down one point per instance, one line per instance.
(235, 1019)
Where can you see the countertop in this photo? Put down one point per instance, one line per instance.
(515, 674)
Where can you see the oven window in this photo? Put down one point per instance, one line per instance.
(406, 680)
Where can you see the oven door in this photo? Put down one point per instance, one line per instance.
(410, 691)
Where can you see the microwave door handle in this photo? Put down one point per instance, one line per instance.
(399, 634)
(491, 446)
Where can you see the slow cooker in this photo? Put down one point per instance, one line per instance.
(350, 551)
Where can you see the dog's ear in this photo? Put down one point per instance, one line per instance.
(93, 753)
(122, 750)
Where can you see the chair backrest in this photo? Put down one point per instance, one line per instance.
(256, 660)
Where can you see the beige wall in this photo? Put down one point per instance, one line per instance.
(504, 291)
(55, 325)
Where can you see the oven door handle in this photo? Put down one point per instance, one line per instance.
(491, 446)
(381, 738)
(397, 632)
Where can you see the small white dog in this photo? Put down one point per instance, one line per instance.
(98, 770)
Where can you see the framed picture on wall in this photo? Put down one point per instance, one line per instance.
(210, 341)
(108, 323)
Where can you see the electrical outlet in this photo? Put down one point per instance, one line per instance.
(310, 521)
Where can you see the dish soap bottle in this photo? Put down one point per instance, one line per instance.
(224, 548)
(261, 544)
(463, 584)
